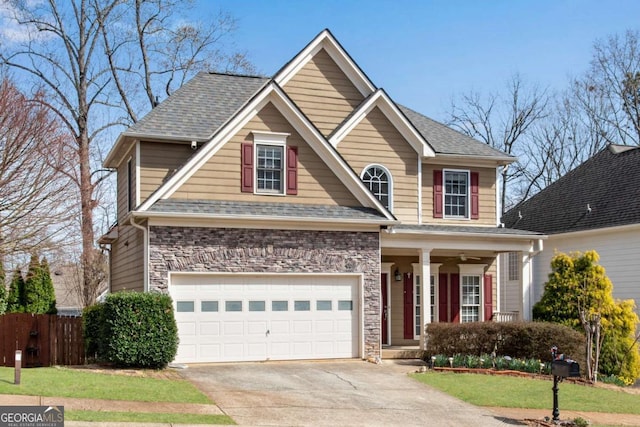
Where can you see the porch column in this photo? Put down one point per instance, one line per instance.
(527, 286)
(425, 292)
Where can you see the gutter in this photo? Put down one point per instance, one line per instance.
(147, 214)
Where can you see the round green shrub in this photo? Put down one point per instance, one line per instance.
(139, 330)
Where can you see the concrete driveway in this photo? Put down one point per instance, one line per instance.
(335, 393)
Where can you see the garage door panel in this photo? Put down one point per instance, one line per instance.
(210, 351)
(233, 328)
(272, 317)
(257, 328)
(302, 326)
(209, 328)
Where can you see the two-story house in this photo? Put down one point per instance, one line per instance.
(307, 215)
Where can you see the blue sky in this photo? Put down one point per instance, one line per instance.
(424, 52)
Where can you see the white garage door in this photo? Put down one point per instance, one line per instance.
(268, 317)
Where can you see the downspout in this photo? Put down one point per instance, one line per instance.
(145, 246)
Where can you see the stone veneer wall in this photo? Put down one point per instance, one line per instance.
(274, 251)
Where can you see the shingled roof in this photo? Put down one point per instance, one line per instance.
(229, 209)
(200, 107)
(445, 140)
(602, 192)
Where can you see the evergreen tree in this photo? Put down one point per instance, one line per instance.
(39, 296)
(32, 287)
(49, 294)
(16, 298)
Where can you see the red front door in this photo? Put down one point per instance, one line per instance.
(384, 324)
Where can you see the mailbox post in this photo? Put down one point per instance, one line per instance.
(561, 367)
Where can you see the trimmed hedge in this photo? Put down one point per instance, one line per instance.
(133, 329)
(522, 340)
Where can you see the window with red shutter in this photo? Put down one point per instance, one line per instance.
(292, 170)
(246, 154)
(475, 190)
(437, 193)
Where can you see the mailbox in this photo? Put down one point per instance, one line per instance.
(565, 368)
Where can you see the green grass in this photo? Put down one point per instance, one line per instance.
(143, 417)
(65, 382)
(516, 392)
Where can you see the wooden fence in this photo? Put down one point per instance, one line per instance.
(44, 340)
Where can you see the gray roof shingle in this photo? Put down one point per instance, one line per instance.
(432, 228)
(199, 108)
(206, 102)
(602, 192)
(445, 140)
(226, 209)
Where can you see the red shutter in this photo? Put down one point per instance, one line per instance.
(292, 170)
(437, 193)
(246, 154)
(455, 298)
(475, 213)
(443, 300)
(488, 297)
(408, 306)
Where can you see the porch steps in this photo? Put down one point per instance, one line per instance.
(401, 352)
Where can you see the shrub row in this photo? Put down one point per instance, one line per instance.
(523, 340)
(132, 329)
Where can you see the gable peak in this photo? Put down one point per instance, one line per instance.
(327, 42)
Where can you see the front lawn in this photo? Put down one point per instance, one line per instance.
(516, 392)
(145, 417)
(66, 382)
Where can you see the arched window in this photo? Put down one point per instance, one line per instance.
(378, 179)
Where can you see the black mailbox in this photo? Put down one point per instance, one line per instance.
(565, 368)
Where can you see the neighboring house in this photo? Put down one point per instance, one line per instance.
(299, 216)
(595, 206)
(67, 280)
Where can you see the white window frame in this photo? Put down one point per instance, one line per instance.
(389, 183)
(274, 139)
(473, 270)
(467, 214)
(513, 266)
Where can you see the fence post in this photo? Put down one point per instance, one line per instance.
(18, 366)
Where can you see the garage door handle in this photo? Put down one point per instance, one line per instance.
(267, 334)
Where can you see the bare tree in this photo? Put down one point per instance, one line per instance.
(154, 56)
(35, 208)
(608, 92)
(82, 55)
(503, 121)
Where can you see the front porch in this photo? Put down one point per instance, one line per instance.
(463, 271)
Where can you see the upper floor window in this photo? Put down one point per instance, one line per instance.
(130, 190)
(456, 194)
(269, 165)
(378, 180)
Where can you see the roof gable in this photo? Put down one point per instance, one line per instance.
(391, 111)
(604, 191)
(326, 41)
(271, 93)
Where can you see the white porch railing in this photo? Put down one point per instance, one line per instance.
(506, 316)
